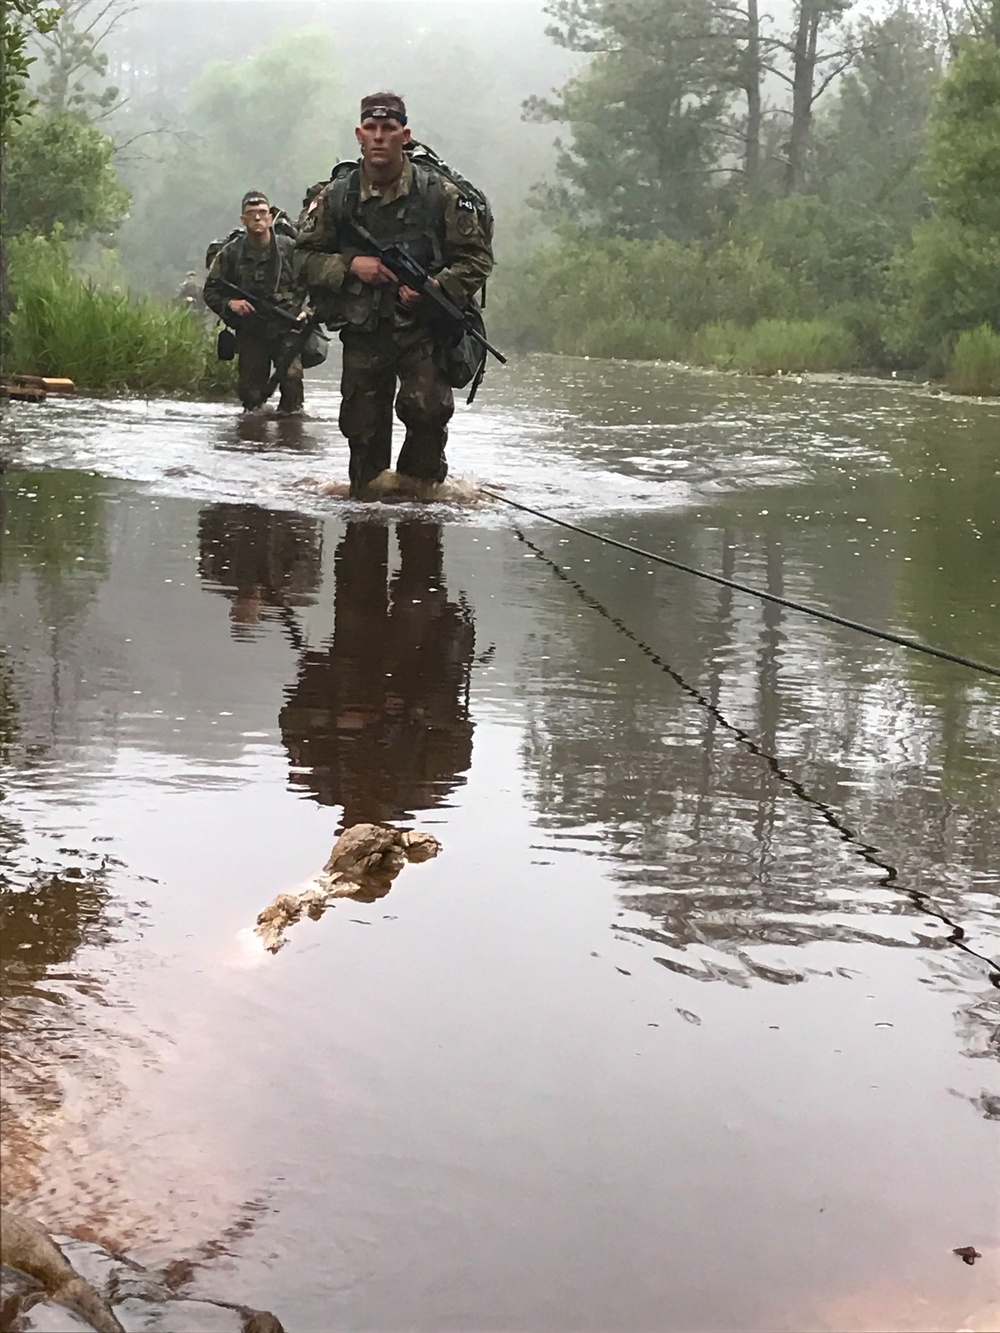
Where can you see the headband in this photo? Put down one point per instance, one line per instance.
(383, 112)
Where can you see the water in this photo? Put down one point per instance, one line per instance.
(691, 1025)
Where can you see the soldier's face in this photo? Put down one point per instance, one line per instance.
(382, 141)
(257, 219)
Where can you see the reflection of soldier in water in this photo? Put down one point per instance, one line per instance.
(379, 721)
(260, 557)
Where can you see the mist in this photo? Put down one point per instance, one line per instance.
(194, 136)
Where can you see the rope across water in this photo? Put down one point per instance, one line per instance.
(915, 644)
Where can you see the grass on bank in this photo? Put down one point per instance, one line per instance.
(975, 362)
(105, 340)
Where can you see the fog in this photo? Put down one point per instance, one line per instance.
(193, 137)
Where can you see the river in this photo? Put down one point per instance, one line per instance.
(692, 1025)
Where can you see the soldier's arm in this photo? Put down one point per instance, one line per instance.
(468, 256)
(215, 297)
(321, 259)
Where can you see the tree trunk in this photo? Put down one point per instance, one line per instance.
(755, 108)
(5, 299)
(803, 81)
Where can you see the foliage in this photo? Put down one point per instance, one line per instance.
(975, 362)
(963, 159)
(644, 114)
(870, 140)
(20, 19)
(776, 346)
(563, 297)
(59, 173)
(104, 340)
(948, 280)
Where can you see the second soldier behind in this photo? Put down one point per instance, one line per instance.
(260, 261)
(384, 326)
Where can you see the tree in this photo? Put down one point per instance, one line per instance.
(963, 159)
(949, 279)
(646, 114)
(869, 147)
(21, 18)
(59, 172)
(76, 65)
(812, 71)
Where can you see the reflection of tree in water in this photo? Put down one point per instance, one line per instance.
(731, 857)
(378, 722)
(45, 918)
(260, 558)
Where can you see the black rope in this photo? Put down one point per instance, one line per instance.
(889, 876)
(887, 635)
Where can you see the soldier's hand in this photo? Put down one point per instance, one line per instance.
(408, 296)
(370, 269)
(240, 307)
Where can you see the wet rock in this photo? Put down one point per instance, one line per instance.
(363, 863)
(15, 1288)
(27, 1246)
(73, 1286)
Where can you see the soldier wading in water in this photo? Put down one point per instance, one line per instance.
(260, 261)
(384, 327)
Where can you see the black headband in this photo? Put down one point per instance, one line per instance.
(382, 112)
(249, 199)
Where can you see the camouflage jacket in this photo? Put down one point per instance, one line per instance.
(421, 210)
(268, 271)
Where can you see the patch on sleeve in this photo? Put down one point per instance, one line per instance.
(465, 217)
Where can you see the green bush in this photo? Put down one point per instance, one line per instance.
(105, 340)
(772, 346)
(975, 363)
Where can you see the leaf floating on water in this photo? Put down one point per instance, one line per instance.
(967, 1253)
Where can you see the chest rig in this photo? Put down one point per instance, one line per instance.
(414, 222)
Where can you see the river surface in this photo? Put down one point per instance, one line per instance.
(691, 1026)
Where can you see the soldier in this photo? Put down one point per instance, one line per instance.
(189, 293)
(260, 261)
(384, 328)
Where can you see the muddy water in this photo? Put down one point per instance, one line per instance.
(690, 1026)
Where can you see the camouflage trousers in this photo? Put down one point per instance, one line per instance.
(373, 363)
(256, 355)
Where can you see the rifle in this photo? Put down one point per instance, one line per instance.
(411, 274)
(300, 330)
(261, 304)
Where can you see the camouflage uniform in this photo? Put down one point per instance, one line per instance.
(268, 271)
(383, 341)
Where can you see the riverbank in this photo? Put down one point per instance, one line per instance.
(730, 307)
(104, 338)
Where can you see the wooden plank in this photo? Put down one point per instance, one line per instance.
(22, 393)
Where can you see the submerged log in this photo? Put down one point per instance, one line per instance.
(363, 864)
